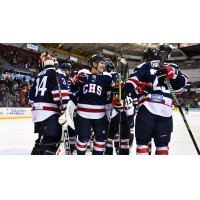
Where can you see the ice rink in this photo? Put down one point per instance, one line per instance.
(17, 138)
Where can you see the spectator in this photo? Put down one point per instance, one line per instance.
(22, 101)
(15, 79)
(10, 103)
(24, 78)
(31, 82)
(10, 85)
(27, 104)
(1, 105)
(1, 79)
(15, 86)
(2, 95)
(17, 98)
(19, 80)
(4, 102)
(4, 52)
(11, 53)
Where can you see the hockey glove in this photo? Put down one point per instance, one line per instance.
(118, 105)
(80, 78)
(115, 87)
(63, 118)
(144, 88)
(167, 72)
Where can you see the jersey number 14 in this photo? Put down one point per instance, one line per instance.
(41, 86)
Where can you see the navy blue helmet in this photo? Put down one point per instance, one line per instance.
(162, 48)
(109, 65)
(66, 66)
(96, 58)
(150, 54)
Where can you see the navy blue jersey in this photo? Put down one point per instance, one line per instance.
(93, 94)
(44, 94)
(159, 101)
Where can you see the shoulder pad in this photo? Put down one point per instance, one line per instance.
(84, 71)
(60, 71)
(108, 74)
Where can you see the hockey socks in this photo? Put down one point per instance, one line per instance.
(124, 146)
(162, 150)
(81, 145)
(142, 150)
(99, 144)
(109, 147)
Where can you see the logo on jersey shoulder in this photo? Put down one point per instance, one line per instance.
(94, 77)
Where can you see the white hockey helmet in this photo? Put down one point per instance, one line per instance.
(49, 60)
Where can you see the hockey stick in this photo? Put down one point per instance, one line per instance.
(164, 56)
(69, 116)
(119, 76)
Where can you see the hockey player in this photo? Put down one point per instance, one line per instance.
(187, 108)
(154, 118)
(44, 97)
(94, 89)
(67, 69)
(114, 128)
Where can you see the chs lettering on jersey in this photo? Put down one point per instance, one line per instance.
(159, 100)
(93, 94)
(44, 94)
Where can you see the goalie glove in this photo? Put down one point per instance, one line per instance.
(167, 72)
(118, 105)
(42, 56)
(144, 88)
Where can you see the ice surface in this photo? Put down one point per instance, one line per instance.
(17, 138)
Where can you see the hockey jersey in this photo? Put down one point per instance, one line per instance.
(93, 94)
(44, 94)
(159, 100)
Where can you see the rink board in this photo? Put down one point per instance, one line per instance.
(15, 113)
(22, 112)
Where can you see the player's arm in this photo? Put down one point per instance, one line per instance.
(32, 94)
(177, 79)
(135, 80)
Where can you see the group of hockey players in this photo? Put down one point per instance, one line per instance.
(96, 94)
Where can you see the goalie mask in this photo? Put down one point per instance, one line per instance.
(48, 61)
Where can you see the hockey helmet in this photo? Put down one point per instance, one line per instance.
(49, 60)
(109, 66)
(66, 66)
(150, 54)
(161, 49)
(96, 58)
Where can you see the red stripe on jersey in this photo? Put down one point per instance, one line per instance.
(149, 145)
(149, 99)
(109, 142)
(162, 152)
(99, 145)
(72, 140)
(145, 150)
(116, 137)
(48, 108)
(135, 101)
(80, 145)
(185, 76)
(64, 94)
(124, 143)
(91, 110)
(179, 91)
(56, 95)
(134, 81)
